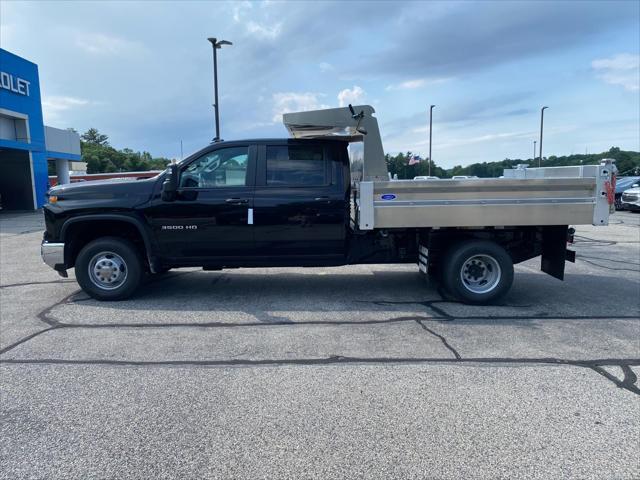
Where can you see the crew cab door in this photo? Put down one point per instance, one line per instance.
(210, 220)
(300, 205)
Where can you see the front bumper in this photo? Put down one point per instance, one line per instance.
(53, 255)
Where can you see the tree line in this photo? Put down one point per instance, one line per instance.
(628, 163)
(101, 157)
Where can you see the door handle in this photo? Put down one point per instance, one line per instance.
(236, 201)
(319, 199)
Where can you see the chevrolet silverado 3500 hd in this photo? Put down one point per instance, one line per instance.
(301, 201)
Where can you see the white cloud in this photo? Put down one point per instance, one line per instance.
(287, 102)
(326, 67)
(622, 69)
(239, 9)
(353, 96)
(101, 44)
(52, 107)
(263, 31)
(416, 83)
(452, 142)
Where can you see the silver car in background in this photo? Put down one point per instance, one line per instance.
(631, 199)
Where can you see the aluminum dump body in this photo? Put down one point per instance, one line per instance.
(553, 198)
(525, 196)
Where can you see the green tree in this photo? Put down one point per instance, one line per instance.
(94, 137)
(627, 162)
(103, 158)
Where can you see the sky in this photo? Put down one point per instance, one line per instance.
(142, 72)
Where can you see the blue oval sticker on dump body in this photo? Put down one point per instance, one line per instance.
(388, 196)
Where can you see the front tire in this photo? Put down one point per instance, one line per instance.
(477, 271)
(109, 268)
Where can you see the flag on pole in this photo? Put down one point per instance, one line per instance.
(413, 159)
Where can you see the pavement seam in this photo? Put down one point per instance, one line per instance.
(628, 383)
(594, 365)
(26, 339)
(25, 284)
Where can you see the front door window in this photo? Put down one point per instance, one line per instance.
(226, 167)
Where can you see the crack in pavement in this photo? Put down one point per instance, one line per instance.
(240, 325)
(43, 317)
(24, 284)
(628, 383)
(26, 339)
(626, 262)
(442, 339)
(445, 316)
(605, 267)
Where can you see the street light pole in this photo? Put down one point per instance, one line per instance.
(534, 150)
(430, 131)
(216, 45)
(541, 126)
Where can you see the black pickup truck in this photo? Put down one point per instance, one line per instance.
(263, 203)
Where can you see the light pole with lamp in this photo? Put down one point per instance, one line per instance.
(430, 128)
(541, 125)
(216, 45)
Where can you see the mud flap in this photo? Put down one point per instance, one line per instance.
(554, 251)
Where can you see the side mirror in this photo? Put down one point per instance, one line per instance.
(170, 184)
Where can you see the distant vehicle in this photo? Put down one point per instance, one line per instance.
(426, 177)
(631, 199)
(622, 184)
(463, 177)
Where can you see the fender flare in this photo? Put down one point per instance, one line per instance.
(146, 236)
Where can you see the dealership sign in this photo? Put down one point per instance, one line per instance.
(14, 84)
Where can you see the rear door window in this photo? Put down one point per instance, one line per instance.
(297, 165)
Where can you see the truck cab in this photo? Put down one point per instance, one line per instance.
(262, 202)
(275, 202)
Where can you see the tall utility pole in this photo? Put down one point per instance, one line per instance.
(216, 45)
(534, 150)
(541, 126)
(430, 137)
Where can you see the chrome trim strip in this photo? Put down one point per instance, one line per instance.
(52, 253)
(478, 202)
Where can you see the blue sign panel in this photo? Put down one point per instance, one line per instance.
(20, 98)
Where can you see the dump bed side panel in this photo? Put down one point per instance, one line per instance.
(543, 200)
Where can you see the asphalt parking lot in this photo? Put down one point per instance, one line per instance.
(352, 372)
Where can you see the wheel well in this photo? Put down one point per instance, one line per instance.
(79, 234)
(521, 243)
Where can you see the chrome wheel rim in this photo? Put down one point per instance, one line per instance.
(480, 274)
(107, 270)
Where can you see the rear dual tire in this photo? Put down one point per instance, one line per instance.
(477, 271)
(109, 268)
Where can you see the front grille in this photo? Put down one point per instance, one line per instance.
(629, 197)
